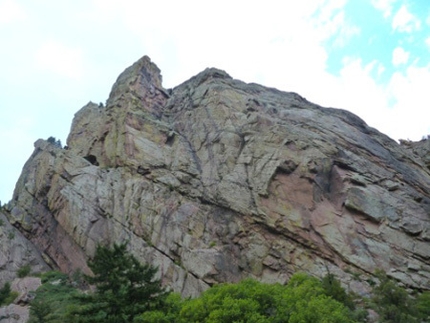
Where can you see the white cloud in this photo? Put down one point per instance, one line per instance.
(11, 11)
(400, 56)
(60, 59)
(410, 112)
(194, 40)
(397, 108)
(404, 21)
(338, 28)
(271, 52)
(280, 44)
(356, 90)
(385, 6)
(18, 141)
(381, 69)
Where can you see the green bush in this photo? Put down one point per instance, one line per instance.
(7, 296)
(167, 314)
(24, 271)
(422, 306)
(392, 302)
(11, 235)
(307, 302)
(52, 299)
(54, 276)
(4, 293)
(303, 300)
(334, 289)
(126, 291)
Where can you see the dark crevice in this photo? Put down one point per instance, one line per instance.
(92, 159)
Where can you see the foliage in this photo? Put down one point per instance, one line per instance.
(167, 314)
(247, 301)
(334, 289)
(422, 306)
(126, 291)
(124, 288)
(52, 299)
(392, 302)
(306, 301)
(24, 271)
(56, 143)
(11, 235)
(5, 294)
(303, 300)
(53, 276)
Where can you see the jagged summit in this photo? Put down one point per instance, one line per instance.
(142, 78)
(218, 180)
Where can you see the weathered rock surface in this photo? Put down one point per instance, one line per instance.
(217, 180)
(19, 312)
(16, 251)
(14, 314)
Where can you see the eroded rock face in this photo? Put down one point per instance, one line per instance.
(14, 314)
(16, 252)
(218, 180)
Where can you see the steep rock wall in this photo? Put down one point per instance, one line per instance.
(16, 252)
(217, 180)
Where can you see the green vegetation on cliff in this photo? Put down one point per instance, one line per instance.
(6, 294)
(124, 288)
(53, 298)
(126, 291)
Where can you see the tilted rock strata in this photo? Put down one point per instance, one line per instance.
(218, 180)
(16, 252)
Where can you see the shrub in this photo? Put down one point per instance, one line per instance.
(393, 303)
(334, 289)
(302, 301)
(53, 141)
(53, 276)
(24, 271)
(52, 299)
(423, 306)
(11, 235)
(7, 296)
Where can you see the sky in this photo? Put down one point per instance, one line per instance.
(371, 57)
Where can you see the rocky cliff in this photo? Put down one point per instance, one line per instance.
(217, 180)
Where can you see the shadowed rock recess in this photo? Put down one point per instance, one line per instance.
(217, 180)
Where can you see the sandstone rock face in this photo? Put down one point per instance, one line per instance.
(16, 251)
(218, 180)
(14, 314)
(25, 287)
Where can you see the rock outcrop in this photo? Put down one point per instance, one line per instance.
(16, 252)
(217, 180)
(19, 311)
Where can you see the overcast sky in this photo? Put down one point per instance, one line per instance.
(371, 57)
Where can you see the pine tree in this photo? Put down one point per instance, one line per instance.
(124, 288)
